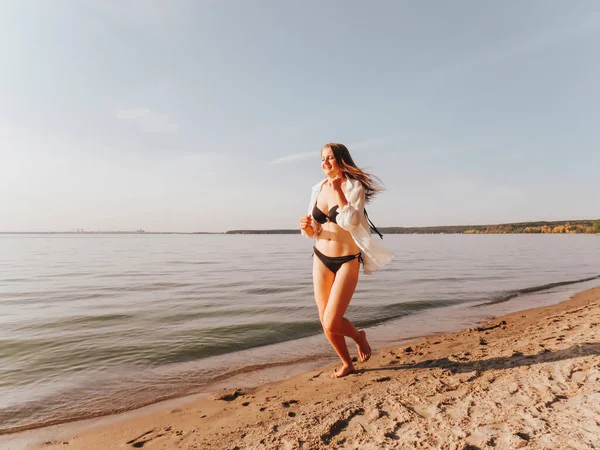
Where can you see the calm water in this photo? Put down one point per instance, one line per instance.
(92, 324)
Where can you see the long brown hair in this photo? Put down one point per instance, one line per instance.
(371, 183)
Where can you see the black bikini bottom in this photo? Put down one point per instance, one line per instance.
(334, 263)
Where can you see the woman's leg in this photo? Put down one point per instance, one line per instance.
(332, 295)
(360, 337)
(323, 281)
(334, 324)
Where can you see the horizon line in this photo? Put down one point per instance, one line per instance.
(141, 231)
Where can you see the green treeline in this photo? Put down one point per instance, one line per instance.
(263, 232)
(557, 227)
(562, 227)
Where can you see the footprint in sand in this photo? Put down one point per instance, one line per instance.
(150, 435)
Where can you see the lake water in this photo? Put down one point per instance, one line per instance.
(94, 324)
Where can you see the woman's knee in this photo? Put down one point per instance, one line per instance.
(322, 318)
(332, 324)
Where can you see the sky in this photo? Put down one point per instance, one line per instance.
(210, 115)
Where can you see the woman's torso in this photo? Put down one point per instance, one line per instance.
(333, 240)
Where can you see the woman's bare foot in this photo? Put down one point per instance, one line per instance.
(364, 349)
(345, 370)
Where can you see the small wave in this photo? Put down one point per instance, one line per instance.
(233, 338)
(504, 297)
(272, 290)
(228, 311)
(384, 313)
(456, 279)
(74, 322)
(429, 280)
(26, 298)
(156, 286)
(191, 263)
(64, 275)
(256, 367)
(219, 286)
(130, 274)
(17, 296)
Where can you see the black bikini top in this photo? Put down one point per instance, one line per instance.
(322, 218)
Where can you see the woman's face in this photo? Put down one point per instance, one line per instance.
(329, 163)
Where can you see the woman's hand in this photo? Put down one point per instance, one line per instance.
(306, 222)
(336, 183)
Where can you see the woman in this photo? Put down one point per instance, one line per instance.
(336, 218)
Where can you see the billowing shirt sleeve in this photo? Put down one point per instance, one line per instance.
(350, 216)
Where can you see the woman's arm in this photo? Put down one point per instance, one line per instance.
(306, 228)
(309, 227)
(351, 208)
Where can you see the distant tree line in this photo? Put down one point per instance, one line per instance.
(557, 227)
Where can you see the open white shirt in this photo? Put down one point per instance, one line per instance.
(352, 218)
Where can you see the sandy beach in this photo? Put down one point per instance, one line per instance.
(528, 379)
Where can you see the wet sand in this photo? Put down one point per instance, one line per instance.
(528, 379)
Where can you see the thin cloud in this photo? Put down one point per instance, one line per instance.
(149, 120)
(294, 157)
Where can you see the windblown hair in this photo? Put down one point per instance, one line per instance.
(371, 183)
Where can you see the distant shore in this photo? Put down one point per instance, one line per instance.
(108, 232)
(540, 227)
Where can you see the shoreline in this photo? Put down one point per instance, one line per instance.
(463, 358)
(259, 367)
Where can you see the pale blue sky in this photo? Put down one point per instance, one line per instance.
(209, 115)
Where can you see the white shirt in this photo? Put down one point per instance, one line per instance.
(352, 218)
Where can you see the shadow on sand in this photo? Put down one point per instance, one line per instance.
(506, 362)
